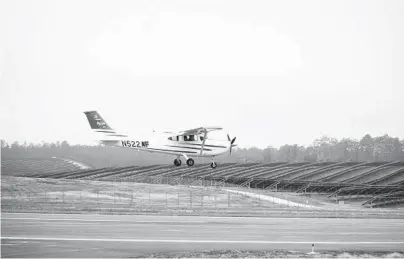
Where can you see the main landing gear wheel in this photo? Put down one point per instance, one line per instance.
(213, 165)
(177, 162)
(190, 162)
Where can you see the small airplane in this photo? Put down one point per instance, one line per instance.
(189, 143)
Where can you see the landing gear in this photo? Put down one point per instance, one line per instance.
(177, 162)
(190, 162)
(213, 165)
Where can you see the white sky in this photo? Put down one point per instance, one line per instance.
(269, 72)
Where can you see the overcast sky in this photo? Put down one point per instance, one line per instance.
(269, 72)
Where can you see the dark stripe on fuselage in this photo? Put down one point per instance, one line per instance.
(170, 150)
(104, 131)
(206, 145)
(117, 135)
(205, 149)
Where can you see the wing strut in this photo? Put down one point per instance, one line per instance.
(205, 134)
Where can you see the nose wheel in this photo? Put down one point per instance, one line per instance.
(213, 165)
(177, 162)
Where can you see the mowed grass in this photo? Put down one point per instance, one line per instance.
(289, 196)
(53, 194)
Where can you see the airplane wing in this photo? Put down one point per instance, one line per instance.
(199, 130)
(195, 131)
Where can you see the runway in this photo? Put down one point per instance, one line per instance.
(79, 235)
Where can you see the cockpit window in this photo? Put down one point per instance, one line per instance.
(189, 138)
(174, 138)
(201, 138)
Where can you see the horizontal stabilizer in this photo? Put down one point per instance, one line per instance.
(110, 142)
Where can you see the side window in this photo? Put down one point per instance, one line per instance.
(201, 138)
(189, 138)
(170, 138)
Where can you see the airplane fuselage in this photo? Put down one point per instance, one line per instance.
(211, 148)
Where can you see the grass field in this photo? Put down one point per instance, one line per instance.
(291, 196)
(25, 194)
(48, 193)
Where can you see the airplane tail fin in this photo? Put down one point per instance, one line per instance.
(107, 134)
(97, 122)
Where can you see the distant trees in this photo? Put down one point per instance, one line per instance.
(4, 144)
(368, 148)
(15, 145)
(268, 153)
(64, 144)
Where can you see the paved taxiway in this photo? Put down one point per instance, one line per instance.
(78, 235)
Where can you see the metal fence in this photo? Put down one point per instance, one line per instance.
(203, 198)
(196, 200)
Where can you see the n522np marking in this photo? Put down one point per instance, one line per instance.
(131, 143)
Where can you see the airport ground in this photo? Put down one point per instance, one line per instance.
(79, 235)
(74, 223)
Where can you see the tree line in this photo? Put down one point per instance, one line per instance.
(368, 148)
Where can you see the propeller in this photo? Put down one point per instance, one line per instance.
(231, 142)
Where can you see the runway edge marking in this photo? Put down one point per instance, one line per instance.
(197, 241)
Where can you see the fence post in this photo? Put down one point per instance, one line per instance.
(202, 200)
(63, 198)
(131, 200)
(190, 199)
(228, 200)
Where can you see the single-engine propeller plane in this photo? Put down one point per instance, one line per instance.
(188, 143)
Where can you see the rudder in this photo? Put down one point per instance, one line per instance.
(105, 134)
(96, 121)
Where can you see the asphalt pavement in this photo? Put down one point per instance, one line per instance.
(83, 235)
